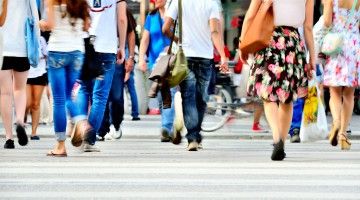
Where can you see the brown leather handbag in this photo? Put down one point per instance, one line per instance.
(260, 31)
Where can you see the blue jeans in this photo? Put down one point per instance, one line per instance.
(168, 115)
(64, 70)
(194, 93)
(97, 92)
(298, 107)
(114, 112)
(133, 96)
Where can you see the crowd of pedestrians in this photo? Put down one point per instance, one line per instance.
(100, 35)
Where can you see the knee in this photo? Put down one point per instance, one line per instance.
(35, 106)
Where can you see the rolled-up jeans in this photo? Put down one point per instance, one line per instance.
(298, 107)
(64, 70)
(194, 93)
(97, 92)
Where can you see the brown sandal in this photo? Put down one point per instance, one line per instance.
(52, 154)
(333, 135)
(345, 143)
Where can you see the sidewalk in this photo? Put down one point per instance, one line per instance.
(149, 128)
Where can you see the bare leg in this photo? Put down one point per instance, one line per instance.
(271, 112)
(6, 101)
(335, 104)
(347, 108)
(20, 95)
(285, 117)
(259, 110)
(28, 101)
(59, 148)
(37, 91)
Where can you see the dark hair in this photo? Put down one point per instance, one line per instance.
(76, 9)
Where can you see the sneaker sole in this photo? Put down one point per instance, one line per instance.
(21, 135)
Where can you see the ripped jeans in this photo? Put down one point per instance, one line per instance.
(64, 70)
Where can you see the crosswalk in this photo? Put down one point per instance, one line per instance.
(148, 169)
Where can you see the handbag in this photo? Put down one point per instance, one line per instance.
(260, 31)
(90, 69)
(32, 38)
(333, 41)
(174, 68)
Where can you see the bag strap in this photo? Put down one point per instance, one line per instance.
(352, 11)
(180, 28)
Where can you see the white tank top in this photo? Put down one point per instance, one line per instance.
(289, 12)
(65, 37)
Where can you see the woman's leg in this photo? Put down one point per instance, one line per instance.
(6, 101)
(20, 79)
(37, 91)
(28, 101)
(272, 115)
(347, 108)
(284, 120)
(336, 105)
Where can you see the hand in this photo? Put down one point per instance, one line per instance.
(243, 57)
(42, 25)
(143, 65)
(129, 65)
(120, 56)
(309, 68)
(224, 68)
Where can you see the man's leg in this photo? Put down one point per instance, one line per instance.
(117, 97)
(134, 101)
(294, 132)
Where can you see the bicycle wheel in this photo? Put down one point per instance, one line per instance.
(218, 111)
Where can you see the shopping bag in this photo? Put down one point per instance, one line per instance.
(313, 125)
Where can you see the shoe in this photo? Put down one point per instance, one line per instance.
(278, 153)
(100, 138)
(345, 143)
(165, 136)
(9, 144)
(295, 138)
(333, 135)
(135, 119)
(86, 147)
(176, 137)
(193, 146)
(113, 134)
(79, 132)
(21, 135)
(35, 137)
(258, 128)
(154, 111)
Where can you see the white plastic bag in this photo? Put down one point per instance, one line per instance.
(313, 125)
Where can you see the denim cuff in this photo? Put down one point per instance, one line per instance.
(78, 118)
(60, 136)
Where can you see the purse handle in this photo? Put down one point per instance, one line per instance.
(180, 28)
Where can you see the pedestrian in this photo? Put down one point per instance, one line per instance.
(155, 42)
(114, 113)
(14, 71)
(3, 11)
(66, 21)
(278, 75)
(108, 22)
(342, 71)
(200, 31)
(36, 82)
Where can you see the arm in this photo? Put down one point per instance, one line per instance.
(122, 28)
(328, 12)
(3, 13)
(131, 43)
(167, 30)
(308, 32)
(218, 42)
(49, 23)
(144, 44)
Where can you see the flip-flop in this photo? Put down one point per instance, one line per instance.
(51, 153)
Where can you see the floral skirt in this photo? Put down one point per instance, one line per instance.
(278, 73)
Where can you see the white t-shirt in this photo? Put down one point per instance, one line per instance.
(66, 37)
(104, 25)
(14, 27)
(196, 28)
(289, 13)
(41, 68)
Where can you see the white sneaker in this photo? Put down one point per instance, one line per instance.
(86, 147)
(113, 134)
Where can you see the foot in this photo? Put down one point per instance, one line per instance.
(295, 137)
(278, 153)
(176, 137)
(193, 146)
(55, 153)
(333, 135)
(113, 134)
(9, 144)
(165, 137)
(34, 137)
(21, 135)
(345, 143)
(86, 147)
(135, 119)
(79, 132)
(258, 128)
